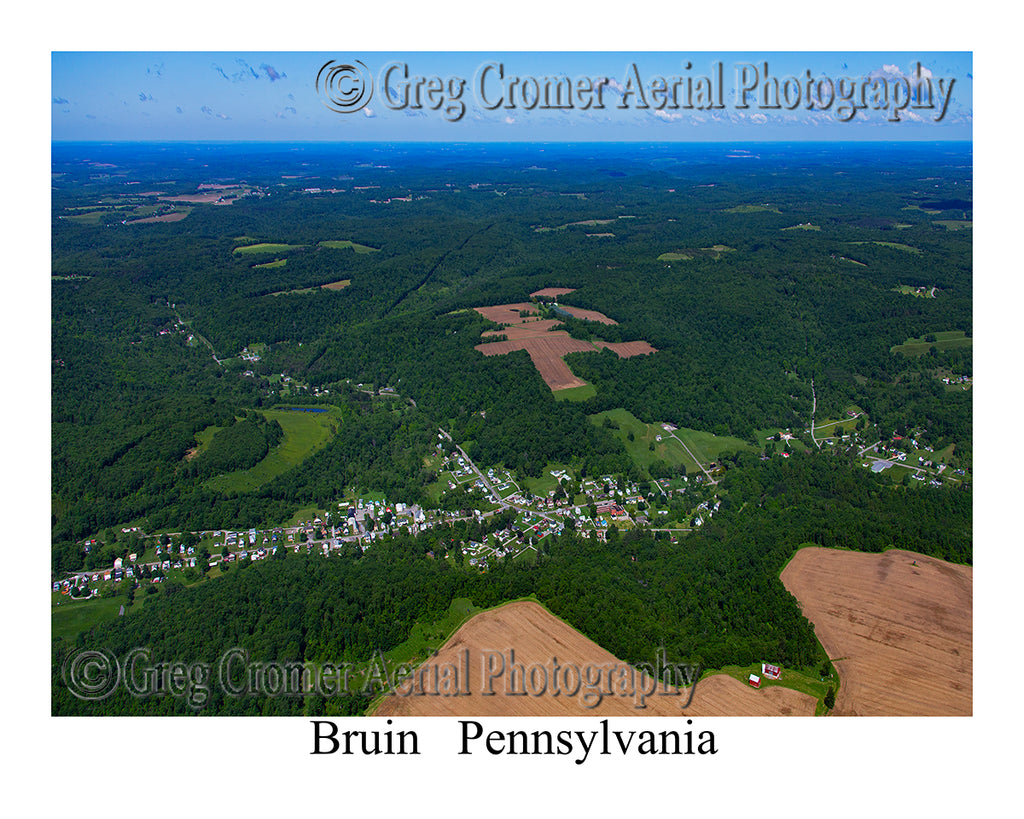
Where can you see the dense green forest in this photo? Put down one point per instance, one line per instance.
(796, 276)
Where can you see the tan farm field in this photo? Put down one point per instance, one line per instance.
(546, 347)
(897, 625)
(538, 638)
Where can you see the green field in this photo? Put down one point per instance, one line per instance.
(805, 681)
(753, 209)
(945, 340)
(342, 244)
(92, 218)
(804, 226)
(894, 245)
(275, 263)
(546, 482)
(304, 432)
(73, 616)
(705, 446)
(908, 290)
(576, 393)
(674, 257)
(423, 639)
(264, 247)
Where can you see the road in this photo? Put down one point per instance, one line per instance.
(814, 409)
(696, 460)
(495, 497)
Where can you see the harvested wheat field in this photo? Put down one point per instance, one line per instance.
(479, 658)
(898, 626)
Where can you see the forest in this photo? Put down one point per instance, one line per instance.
(759, 283)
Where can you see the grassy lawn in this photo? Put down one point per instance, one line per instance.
(275, 263)
(805, 681)
(943, 341)
(546, 482)
(304, 432)
(674, 257)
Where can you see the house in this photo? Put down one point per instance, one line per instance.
(772, 672)
(754, 681)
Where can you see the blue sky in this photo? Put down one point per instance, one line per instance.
(273, 96)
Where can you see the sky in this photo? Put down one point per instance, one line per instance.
(463, 96)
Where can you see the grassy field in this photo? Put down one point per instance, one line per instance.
(73, 616)
(275, 263)
(576, 393)
(341, 244)
(304, 432)
(804, 681)
(907, 290)
(705, 446)
(753, 209)
(264, 247)
(546, 482)
(92, 218)
(804, 226)
(674, 257)
(425, 638)
(945, 340)
(893, 245)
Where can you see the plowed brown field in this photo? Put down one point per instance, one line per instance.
(587, 315)
(506, 313)
(538, 638)
(553, 291)
(546, 346)
(898, 626)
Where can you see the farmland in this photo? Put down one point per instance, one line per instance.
(540, 639)
(524, 329)
(945, 340)
(897, 626)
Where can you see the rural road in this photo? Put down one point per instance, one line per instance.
(696, 460)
